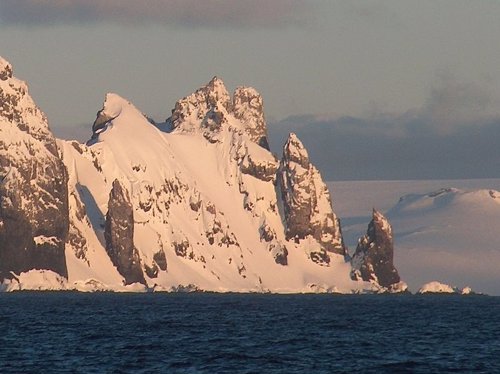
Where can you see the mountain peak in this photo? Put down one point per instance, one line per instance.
(211, 109)
(307, 203)
(34, 208)
(216, 82)
(295, 151)
(18, 108)
(112, 107)
(5, 69)
(381, 223)
(215, 92)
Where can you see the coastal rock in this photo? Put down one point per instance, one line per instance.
(373, 259)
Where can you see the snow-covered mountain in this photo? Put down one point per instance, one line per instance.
(198, 202)
(449, 234)
(442, 229)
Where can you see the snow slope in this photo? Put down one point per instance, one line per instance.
(440, 232)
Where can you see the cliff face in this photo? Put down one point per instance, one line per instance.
(33, 184)
(119, 235)
(373, 260)
(307, 204)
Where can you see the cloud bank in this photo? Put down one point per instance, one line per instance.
(187, 13)
(453, 135)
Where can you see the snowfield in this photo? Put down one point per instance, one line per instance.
(443, 229)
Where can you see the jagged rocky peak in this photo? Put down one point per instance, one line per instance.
(5, 69)
(373, 259)
(33, 184)
(216, 93)
(306, 201)
(295, 152)
(248, 108)
(210, 100)
(119, 235)
(210, 109)
(17, 107)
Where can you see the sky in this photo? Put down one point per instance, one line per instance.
(389, 89)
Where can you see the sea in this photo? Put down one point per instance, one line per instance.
(66, 332)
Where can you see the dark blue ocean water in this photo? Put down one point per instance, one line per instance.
(210, 333)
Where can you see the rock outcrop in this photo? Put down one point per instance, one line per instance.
(33, 184)
(306, 202)
(119, 235)
(373, 259)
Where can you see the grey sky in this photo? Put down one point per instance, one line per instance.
(421, 72)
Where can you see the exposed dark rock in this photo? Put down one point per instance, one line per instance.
(103, 116)
(160, 259)
(76, 239)
(119, 235)
(151, 271)
(182, 249)
(78, 242)
(195, 202)
(306, 201)
(33, 184)
(5, 70)
(320, 257)
(266, 233)
(185, 288)
(263, 170)
(159, 263)
(373, 259)
(279, 253)
(228, 240)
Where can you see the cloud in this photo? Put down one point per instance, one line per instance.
(378, 13)
(453, 104)
(187, 13)
(455, 134)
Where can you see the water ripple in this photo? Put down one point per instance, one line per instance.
(207, 333)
